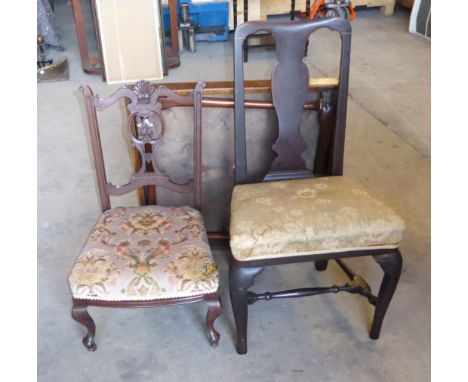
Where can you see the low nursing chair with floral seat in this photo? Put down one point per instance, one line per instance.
(145, 256)
(297, 213)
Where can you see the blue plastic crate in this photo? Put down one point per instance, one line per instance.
(211, 19)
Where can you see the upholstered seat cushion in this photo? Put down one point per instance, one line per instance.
(309, 216)
(145, 253)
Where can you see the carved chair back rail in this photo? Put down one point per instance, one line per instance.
(155, 100)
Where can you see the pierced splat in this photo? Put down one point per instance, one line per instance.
(150, 129)
(145, 108)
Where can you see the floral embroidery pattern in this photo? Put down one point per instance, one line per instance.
(102, 233)
(92, 273)
(122, 250)
(145, 253)
(147, 222)
(192, 230)
(193, 269)
(143, 284)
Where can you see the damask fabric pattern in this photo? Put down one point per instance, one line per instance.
(145, 253)
(309, 216)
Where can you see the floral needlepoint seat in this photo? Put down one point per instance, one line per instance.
(145, 253)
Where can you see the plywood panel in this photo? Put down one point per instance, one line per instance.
(130, 37)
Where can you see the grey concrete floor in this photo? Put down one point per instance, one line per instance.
(316, 339)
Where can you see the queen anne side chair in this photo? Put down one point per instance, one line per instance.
(145, 256)
(295, 214)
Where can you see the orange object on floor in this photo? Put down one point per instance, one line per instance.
(329, 8)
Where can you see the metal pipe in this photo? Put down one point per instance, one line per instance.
(229, 103)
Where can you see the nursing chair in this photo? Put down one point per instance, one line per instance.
(293, 213)
(145, 256)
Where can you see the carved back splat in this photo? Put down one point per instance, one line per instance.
(145, 108)
(290, 84)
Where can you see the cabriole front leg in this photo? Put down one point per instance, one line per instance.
(391, 265)
(80, 314)
(214, 311)
(240, 280)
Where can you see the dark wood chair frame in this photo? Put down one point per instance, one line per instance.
(289, 93)
(263, 39)
(144, 102)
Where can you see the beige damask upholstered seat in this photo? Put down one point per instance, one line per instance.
(307, 216)
(145, 253)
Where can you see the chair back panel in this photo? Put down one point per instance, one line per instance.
(290, 86)
(146, 128)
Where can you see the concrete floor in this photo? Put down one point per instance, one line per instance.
(316, 339)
